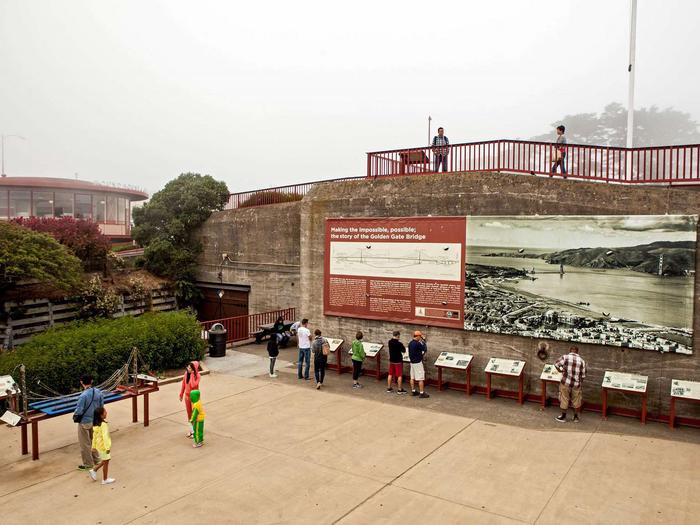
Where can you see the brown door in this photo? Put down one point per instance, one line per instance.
(233, 303)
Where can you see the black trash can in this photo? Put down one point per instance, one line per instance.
(217, 340)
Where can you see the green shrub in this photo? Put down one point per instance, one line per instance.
(58, 357)
(261, 198)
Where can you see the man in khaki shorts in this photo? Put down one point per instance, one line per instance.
(573, 370)
(416, 351)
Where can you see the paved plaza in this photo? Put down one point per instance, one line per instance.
(278, 451)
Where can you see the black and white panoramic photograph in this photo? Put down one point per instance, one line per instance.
(617, 280)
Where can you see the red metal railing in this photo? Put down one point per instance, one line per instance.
(276, 195)
(672, 165)
(239, 328)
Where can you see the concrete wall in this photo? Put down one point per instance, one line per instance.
(263, 245)
(496, 194)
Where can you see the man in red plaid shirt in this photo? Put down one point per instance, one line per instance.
(573, 370)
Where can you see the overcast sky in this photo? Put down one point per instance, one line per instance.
(271, 93)
(566, 232)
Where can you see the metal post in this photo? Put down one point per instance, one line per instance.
(23, 386)
(429, 119)
(630, 70)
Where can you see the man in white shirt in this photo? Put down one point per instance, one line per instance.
(304, 342)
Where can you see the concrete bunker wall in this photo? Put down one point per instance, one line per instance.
(262, 244)
(495, 194)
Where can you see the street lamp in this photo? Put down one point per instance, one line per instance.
(221, 296)
(2, 147)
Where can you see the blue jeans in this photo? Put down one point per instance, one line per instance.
(561, 162)
(304, 355)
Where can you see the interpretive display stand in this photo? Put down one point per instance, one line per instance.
(506, 368)
(631, 383)
(683, 390)
(335, 345)
(407, 369)
(549, 375)
(373, 351)
(455, 361)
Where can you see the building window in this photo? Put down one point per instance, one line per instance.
(3, 204)
(83, 206)
(63, 204)
(121, 210)
(111, 209)
(43, 203)
(99, 202)
(20, 203)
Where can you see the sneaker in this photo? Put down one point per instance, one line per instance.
(576, 419)
(190, 434)
(359, 385)
(423, 395)
(401, 391)
(561, 418)
(197, 445)
(389, 390)
(93, 474)
(308, 378)
(273, 375)
(108, 481)
(318, 386)
(83, 467)
(414, 393)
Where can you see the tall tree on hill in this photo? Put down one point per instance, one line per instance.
(652, 127)
(165, 225)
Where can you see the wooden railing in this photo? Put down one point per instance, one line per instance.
(241, 327)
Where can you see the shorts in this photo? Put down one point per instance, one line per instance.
(417, 372)
(395, 369)
(570, 395)
(104, 455)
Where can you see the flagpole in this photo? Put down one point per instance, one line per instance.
(630, 70)
(429, 119)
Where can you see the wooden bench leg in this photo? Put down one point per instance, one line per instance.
(146, 420)
(35, 440)
(134, 410)
(25, 445)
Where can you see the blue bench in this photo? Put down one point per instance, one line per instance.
(65, 405)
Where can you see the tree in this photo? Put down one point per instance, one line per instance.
(27, 255)
(82, 237)
(165, 226)
(652, 127)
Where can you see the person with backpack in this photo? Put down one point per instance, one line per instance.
(90, 399)
(273, 351)
(358, 356)
(321, 349)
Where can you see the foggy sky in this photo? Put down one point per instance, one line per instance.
(273, 93)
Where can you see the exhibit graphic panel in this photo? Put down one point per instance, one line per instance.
(508, 367)
(396, 269)
(624, 381)
(453, 360)
(550, 373)
(334, 343)
(623, 281)
(685, 389)
(371, 349)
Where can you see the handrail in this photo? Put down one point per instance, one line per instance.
(241, 327)
(676, 165)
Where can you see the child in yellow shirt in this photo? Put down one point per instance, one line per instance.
(197, 419)
(102, 443)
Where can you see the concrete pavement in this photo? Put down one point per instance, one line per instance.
(279, 451)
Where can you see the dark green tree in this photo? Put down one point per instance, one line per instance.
(28, 255)
(652, 127)
(165, 226)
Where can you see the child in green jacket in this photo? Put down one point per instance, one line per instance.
(197, 419)
(358, 355)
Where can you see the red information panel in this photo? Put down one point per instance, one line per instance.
(396, 269)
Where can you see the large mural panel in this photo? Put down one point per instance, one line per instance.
(614, 280)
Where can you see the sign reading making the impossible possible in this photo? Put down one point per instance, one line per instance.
(396, 269)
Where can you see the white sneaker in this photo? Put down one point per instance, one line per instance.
(190, 434)
(93, 474)
(273, 375)
(108, 481)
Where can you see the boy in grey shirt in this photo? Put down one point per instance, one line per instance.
(559, 152)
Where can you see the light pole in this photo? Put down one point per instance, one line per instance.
(2, 148)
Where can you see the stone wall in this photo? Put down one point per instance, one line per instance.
(262, 244)
(495, 194)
